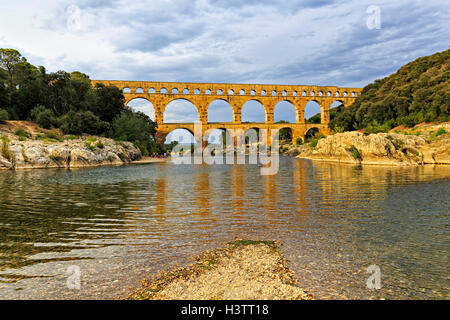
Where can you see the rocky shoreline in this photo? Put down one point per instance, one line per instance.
(244, 269)
(37, 148)
(417, 146)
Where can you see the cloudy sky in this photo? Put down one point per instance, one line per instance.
(316, 42)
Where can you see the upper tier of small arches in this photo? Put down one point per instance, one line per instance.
(217, 89)
(243, 92)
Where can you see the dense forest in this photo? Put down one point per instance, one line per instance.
(418, 92)
(69, 102)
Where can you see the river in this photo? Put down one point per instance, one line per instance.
(117, 225)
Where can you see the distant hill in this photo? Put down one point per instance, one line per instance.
(418, 92)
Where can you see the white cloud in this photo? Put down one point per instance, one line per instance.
(299, 42)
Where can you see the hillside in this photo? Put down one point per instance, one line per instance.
(418, 92)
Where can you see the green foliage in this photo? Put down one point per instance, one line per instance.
(315, 139)
(417, 92)
(72, 137)
(169, 147)
(138, 128)
(21, 133)
(298, 141)
(375, 127)
(92, 143)
(43, 116)
(4, 147)
(338, 129)
(355, 152)
(51, 136)
(440, 132)
(83, 122)
(25, 158)
(398, 144)
(3, 115)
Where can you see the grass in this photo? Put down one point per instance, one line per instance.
(25, 158)
(51, 136)
(4, 147)
(22, 134)
(438, 133)
(91, 144)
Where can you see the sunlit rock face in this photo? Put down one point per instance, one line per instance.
(80, 152)
(381, 148)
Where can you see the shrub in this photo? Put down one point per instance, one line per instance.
(21, 133)
(100, 145)
(440, 132)
(338, 129)
(3, 115)
(4, 147)
(43, 117)
(82, 122)
(314, 140)
(355, 153)
(51, 135)
(298, 141)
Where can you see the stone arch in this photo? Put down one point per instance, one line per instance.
(285, 134)
(311, 132)
(163, 91)
(126, 90)
(312, 112)
(142, 104)
(139, 90)
(230, 92)
(185, 91)
(285, 111)
(177, 110)
(174, 91)
(222, 109)
(242, 92)
(151, 90)
(253, 111)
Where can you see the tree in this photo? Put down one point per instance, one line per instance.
(9, 59)
(136, 127)
(110, 102)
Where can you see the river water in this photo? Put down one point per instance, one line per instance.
(117, 225)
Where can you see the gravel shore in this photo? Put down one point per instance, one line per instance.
(244, 269)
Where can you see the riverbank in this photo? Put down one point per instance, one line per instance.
(244, 269)
(423, 144)
(24, 145)
(145, 160)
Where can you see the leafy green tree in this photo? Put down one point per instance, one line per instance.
(9, 59)
(43, 116)
(417, 92)
(110, 102)
(136, 127)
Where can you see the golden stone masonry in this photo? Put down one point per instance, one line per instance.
(160, 94)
